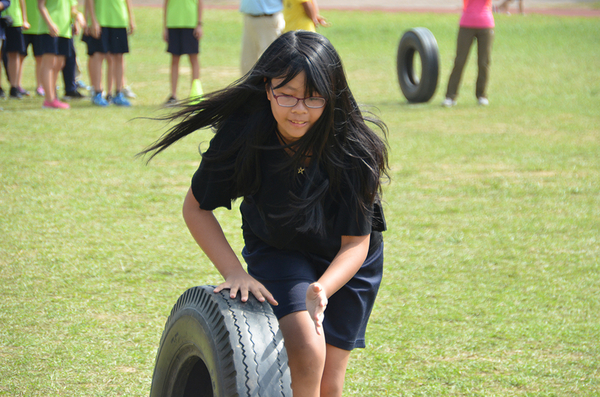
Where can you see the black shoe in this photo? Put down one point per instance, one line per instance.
(15, 93)
(171, 101)
(2, 94)
(73, 95)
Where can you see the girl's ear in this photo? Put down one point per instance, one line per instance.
(268, 90)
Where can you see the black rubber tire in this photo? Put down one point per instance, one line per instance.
(418, 41)
(214, 346)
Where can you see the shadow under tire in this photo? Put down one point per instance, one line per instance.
(215, 346)
(422, 42)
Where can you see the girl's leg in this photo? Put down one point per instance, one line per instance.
(38, 71)
(306, 353)
(20, 73)
(174, 74)
(95, 70)
(336, 362)
(117, 65)
(109, 73)
(485, 38)
(463, 45)
(195, 66)
(13, 69)
(59, 63)
(47, 76)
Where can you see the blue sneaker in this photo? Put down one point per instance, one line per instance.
(98, 100)
(120, 100)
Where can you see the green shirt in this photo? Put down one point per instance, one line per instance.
(33, 17)
(60, 12)
(182, 14)
(112, 13)
(15, 12)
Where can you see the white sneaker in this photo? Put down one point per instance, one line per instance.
(483, 101)
(128, 93)
(448, 102)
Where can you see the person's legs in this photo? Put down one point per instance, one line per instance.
(334, 375)
(117, 65)
(306, 353)
(13, 69)
(69, 70)
(95, 69)
(485, 38)
(174, 74)
(195, 65)
(47, 76)
(463, 45)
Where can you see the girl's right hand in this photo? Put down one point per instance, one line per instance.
(244, 283)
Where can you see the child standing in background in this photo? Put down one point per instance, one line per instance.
(302, 15)
(182, 20)
(32, 37)
(111, 22)
(54, 41)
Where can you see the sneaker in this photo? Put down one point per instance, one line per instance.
(98, 100)
(128, 93)
(15, 93)
(55, 104)
(171, 101)
(448, 103)
(73, 95)
(40, 91)
(483, 101)
(120, 100)
(23, 91)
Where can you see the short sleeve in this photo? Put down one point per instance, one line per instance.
(213, 184)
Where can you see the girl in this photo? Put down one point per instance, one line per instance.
(292, 142)
(476, 23)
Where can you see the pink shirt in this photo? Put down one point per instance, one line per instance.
(477, 14)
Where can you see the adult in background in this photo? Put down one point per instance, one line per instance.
(476, 23)
(263, 23)
(504, 6)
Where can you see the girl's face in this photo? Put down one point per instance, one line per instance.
(293, 122)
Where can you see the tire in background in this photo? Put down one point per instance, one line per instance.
(215, 346)
(422, 42)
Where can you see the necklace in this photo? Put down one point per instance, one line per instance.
(301, 170)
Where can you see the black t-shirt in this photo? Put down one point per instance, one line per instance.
(264, 213)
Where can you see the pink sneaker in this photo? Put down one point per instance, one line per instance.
(55, 104)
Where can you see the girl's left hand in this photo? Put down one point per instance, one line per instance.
(316, 303)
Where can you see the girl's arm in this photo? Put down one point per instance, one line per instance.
(26, 24)
(198, 29)
(347, 262)
(131, 18)
(165, 30)
(52, 28)
(312, 10)
(94, 28)
(207, 232)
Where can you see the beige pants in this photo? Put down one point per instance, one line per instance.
(259, 33)
(485, 38)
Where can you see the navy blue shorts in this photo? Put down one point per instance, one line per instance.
(287, 275)
(55, 45)
(112, 40)
(15, 42)
(34, 40)
(182, 41)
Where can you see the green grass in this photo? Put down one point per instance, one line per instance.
(492, 271)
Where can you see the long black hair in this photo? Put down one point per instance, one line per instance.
(340, 145)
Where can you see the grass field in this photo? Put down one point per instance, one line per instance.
(492, 273)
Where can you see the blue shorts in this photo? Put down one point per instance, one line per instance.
(55, 45)
(287, 275)
(182, 41)
(15, 42)
(112, 40)
(34, 40)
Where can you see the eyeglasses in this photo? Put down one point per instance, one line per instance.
(288, 101)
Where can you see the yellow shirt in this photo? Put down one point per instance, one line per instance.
(295, 16)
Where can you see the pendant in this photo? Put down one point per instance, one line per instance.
(301, 170)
